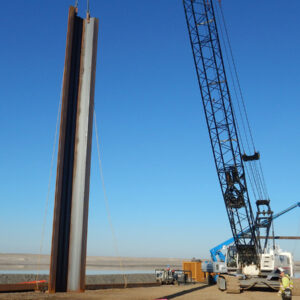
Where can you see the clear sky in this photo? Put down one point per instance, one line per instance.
(158, 167)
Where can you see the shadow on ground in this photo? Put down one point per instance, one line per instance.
(172, 296)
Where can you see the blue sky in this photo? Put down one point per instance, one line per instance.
(158, 168)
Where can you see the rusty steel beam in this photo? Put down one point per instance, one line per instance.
(23, 287)
(63, 191)
(75, 135)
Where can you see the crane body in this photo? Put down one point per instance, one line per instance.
(221, 125)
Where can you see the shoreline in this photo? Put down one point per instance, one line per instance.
(90, 279)
(36, 262)
(41, 262)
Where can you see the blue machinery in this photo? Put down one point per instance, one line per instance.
(216, 252)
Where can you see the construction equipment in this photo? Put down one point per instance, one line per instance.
(250, 259)
(168, 276)
(217, 254)
(196, 272)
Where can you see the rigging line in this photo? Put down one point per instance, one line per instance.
(260, 176)
(233, 83)
(257, 176)
(234, 88)
(251, 182)
(106, 202)
(256, 179)
(252, 179)
(263, 178)
(250, 173)
(260, 181)
(88, 6)
(235, 69)
(257, 182)
(49, 185)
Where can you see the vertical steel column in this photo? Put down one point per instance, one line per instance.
(68, 256)
(81, 176)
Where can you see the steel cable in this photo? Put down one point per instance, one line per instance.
(261, 178)
(49, 185)
(250, 173)
(256, 172)
(88, 6)
(106, 201)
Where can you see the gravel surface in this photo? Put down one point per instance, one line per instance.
(188, 292)
(90, 279)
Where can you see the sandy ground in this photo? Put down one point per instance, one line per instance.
(25, 262)
(189, 292)
(90, 279)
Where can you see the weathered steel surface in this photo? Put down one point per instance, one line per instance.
(73, 167)
(82, 161)
(23, 287)
(62, 201)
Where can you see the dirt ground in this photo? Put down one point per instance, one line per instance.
(188, 292)
(90, 279)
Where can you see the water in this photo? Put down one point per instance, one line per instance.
(110, 272)
(88, 272)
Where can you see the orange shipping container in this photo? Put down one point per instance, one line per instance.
(195, 270)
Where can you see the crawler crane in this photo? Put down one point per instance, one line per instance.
(251, 257)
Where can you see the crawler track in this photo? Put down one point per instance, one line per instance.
(233, 285)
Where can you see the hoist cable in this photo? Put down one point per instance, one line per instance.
(236, 74)
(251, 183)
(260, 179)
(260, 171)
(259, 175)
(49, 186)
(251, 173)
(88, 6)
(263, 179)
(106, 202)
